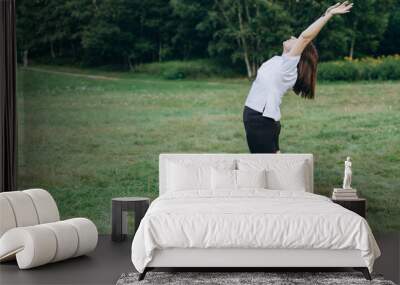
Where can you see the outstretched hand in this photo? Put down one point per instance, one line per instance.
(312, 31)
(339, 8)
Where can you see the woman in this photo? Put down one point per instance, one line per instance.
(296, 69)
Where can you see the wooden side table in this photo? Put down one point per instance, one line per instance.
(120, 208)
(358, 206)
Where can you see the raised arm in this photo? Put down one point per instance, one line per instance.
(313, 30)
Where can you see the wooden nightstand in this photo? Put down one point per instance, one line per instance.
(358, 206)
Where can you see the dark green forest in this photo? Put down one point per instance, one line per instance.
(241, 33)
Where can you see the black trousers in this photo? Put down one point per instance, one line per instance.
(262, 133)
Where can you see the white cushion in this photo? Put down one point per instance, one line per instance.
(285, 174)
(33, 246)
(189, 177)
(26, 208)
(23, 208)
(67, 240)
(223, 179)
(87, 233)
(7, 218)
(292, 179)
(251, 178)
(46, 207)
(186, 175)
(230, 180)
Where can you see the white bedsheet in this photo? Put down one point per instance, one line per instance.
(250, 219)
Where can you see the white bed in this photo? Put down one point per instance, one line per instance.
(203, 220)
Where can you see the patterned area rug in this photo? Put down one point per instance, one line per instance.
(243, 278)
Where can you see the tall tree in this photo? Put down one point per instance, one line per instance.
(238, 32)
(249, 30)
(80, 14)
(28, 16)
(332, 42)
(128, 32)
(108, 38)
(390, 43)
(368, 22)
(191, 28)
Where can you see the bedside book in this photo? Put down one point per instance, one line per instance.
(334, 197)
(341, 190)
(344, 194)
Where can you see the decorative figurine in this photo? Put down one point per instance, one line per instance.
(347, 174)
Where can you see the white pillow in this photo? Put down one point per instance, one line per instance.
(251, 178)
(223, 179)
(189, 174)
(226, 179)
(293, 179)
(285, 174)
(188, 177)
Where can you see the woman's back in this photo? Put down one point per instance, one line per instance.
(274, 78)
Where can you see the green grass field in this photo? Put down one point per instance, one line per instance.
(87, 139)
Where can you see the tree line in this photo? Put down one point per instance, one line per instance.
(126, 33)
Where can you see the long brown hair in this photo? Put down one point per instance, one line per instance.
(307, 72)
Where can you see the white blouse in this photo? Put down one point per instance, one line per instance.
(274, 78)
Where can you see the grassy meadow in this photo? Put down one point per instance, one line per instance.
(88, 136)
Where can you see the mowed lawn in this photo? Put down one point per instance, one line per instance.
(88, 139)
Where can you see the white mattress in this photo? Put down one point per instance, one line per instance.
(253, 219)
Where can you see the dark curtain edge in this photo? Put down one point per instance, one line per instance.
(8, 119)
